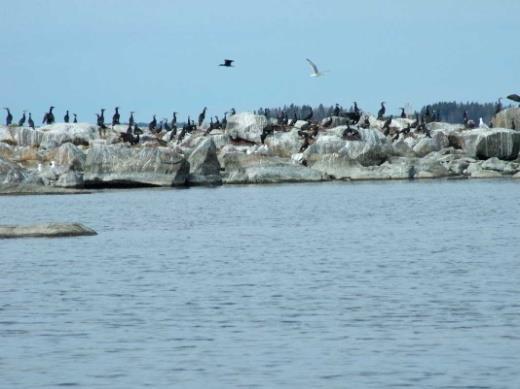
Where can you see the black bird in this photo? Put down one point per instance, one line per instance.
(356, 108)
(75, 120)
(403, 114)
(66, 118)
(513, 126)
(30, 121)
(381, 112)
(232, 111)
(337, 110)
(224, 121)
(217, 122)
(174, 120)
(386, 125)
(101, 118)
(21, 122)
(465, 117)
(131, 120)
(366, 122)
(48, 118)
(266, 131)
(166, 125)
(499, 106)
(137, 130)
(202, 116)
(116, 117)
(415, 123)
(228, 63)
(153, 124)
(9, 117)
(514, 97)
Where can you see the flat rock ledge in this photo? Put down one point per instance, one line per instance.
(48, 230)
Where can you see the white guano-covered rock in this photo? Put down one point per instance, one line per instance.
(484, 143)
(246, 126)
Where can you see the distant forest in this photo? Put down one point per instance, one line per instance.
(451, 112)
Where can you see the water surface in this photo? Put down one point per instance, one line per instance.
(331, 285)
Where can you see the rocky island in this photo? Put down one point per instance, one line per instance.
(79, 155)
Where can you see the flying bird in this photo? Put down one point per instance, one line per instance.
(514, 97)
(315, 71)
(228, 63)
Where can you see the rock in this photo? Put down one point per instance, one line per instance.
(54, 135)
(334, 121)
(123, 165)
(506, 117)
(36, 189)
(220, 140)
(11, 173)
(475, 170)
(70, 179)
(69, 156)
(204, 164)
(240, 168)
(21, 136)
(500, 166)
(246, 126)
(402, 148)
(427, 145)
(485, 143)
(50, 230)
(302, 125)
(284, 144)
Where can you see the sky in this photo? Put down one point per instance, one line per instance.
(160, 56)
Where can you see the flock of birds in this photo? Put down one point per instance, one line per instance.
(354, 117)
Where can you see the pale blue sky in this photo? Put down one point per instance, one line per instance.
(157, 56)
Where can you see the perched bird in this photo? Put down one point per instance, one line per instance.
(75, 118)
(202, 116)
(224, 121)
(131, 120)
(308, 115)
(66, 118)
(315, 70)
(498, 107)
(337, 110)
(166, 125)
(228, 63)
(116, 117)
(232, 111)
(481, 124)
(21, 122)
(386, 125)
(9, 117)
(381, 112)
(101, 118)
(403, 114)
(48, 118)
(30, 121)
(174, 120)
(513, 125)
(153, 124)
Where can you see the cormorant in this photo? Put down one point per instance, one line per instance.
(30, 121)
(166, 125)
(416, 122)
(351, 134)
(499, 106)
(75, 118)
(174, 120)
(153, 124)
(131, 120)
(266, 131)
(232, 111)
(48, 118)
(102, 116)
(21, 122)
(202, 116)
(465, 117)
(66, 118)
(381, 112)
(386, 125)
(336, 110)
(217, 122)
(356, 108)
(9, 117)
(366, 122)
(101, 124)
(228, 63)
(224, 121)
(116, 117)
(137, 130)
(403, 114)
(428, 115)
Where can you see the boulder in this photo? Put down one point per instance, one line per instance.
(498, 165)
(50, 230)
(21, 136)
(11, 173)
(123, 165)
(284, 144)
(204, 164)
(475, 170)
(54, 135)
(240, 168)
(505, 118)
(246, 126)
(427, 145)
(483, 143)
(68, 156)
(70, 179)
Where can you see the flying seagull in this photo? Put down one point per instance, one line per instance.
(227, 63)
(315, 71)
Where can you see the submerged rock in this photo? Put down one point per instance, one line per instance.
(50, 230)
(122, 165)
